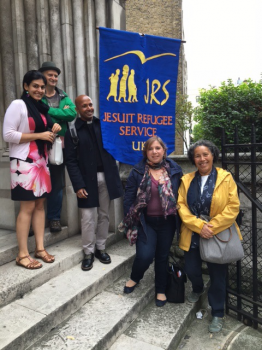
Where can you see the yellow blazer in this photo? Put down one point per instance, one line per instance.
(223, 210)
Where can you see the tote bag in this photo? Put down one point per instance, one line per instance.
(56, 152)
(223, 248)
(175, 291)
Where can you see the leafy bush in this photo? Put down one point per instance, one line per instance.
(226, 107)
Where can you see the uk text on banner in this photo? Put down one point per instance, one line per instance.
(138, 78)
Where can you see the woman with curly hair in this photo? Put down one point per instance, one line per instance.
(208, 192)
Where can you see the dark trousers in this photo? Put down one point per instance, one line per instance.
(160, 233)
(217, 273)
(55, 197)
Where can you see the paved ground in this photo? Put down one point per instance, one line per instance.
(234, 335)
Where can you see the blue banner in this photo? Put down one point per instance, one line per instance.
(138, 79)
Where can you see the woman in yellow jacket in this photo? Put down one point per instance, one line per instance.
(208, 191)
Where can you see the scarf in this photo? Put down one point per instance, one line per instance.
(130, 223)
(155, 166)
(35, 109)
(200, 203)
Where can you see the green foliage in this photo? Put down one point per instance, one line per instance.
(227, 107)
(198, 132)
(184, 116)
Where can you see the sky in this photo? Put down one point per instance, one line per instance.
(223, 41)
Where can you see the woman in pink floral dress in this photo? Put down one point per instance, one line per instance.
(30, 133)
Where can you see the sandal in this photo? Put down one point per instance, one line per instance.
(32, 265)
(47, 258)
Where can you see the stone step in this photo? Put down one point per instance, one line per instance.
(160, 328)
(115, 321)
(234, 336)
(16, 281)
(28, 319)
(9, 248)
(104, 318)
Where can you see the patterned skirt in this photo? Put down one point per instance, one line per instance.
(30, 179)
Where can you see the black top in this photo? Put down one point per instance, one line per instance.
(81, 162)
(98, 159)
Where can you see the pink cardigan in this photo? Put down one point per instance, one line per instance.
(16, 124)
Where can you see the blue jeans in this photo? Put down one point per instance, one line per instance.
(55, 197)
(217, 273)
(160, 233)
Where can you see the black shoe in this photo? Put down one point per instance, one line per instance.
(160, 303)
(87, 263)
(55, 226)
(102, 256)
(128, 290)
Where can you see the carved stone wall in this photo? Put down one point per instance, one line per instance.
(63, 31)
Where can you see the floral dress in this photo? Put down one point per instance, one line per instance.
(30, 178)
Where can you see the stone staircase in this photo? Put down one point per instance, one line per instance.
(62, 307)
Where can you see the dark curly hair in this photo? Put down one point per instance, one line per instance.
(149, 143)
(212, 148)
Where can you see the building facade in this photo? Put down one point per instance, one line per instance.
(161, 18)
(65, 31)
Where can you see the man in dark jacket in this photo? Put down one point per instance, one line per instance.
(95, 179)
(62, 110)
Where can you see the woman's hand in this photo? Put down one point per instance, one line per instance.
(206, 231)
(47, 136)
(56, 128)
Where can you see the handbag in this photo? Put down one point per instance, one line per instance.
(223, 248)
(56, 152)
(175, 290)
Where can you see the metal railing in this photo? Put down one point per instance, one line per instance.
(244, 281)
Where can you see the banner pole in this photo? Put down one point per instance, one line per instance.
(142, 34)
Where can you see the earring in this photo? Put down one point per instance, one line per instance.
(26, 91)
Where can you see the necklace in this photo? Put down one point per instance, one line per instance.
(156, 173)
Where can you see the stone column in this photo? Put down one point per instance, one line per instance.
(100, 18)
(91, 50)
(116, 208)
(116, 214)
(101, 15)
(31, 35)
(68, 48)
(7, 214)
(43, 32)
(80, 53)
(2, 109)
(70, 210)
(116, 15)
(56, 38)
(19, 43)
(7, 53)
(70, 213)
